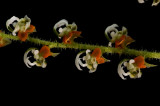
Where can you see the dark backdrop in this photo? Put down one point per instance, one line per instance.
(141, 20)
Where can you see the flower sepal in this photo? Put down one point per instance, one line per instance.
(148, 65)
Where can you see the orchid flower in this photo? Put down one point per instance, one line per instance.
(120, 38)
(39, 56)
(62, 28)
(91, 60)
(21, 26)
(67, 31)
(133, 66)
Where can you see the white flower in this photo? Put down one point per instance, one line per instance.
(19, 24)
(133, 71)
(112, 33)
(90, 61)
(155, 2)
(62, 28)
(141, 1)
(39, 60)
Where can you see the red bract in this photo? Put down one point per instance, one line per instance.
(68, 39)
(123, 41)
(45, 52)
(98, 54)
(24, 35)
(140, 62)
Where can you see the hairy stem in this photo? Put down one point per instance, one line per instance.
(80, 46)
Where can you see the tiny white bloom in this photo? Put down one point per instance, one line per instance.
(133, 71)
(141, 1)
(90, 62)
(39, 60)
(62, 28)
(19, 24)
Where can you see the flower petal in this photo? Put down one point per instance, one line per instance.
(139, 73)
(28, 22)
(112, 31)
(16, 29)
(95, 65)
(79, 62)
(155, 2)
(74, 27)
(60, 23)
(27, 61)
(92, 70)
(11, 21)
(121, 71)
(44, 64)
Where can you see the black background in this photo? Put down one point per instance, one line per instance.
(61, 82)
(141, 20)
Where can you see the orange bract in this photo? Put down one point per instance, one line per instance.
(30, 29)
(140, 62)
(123, 41)
(100, 60)
(98, 54)
(119, 42)
(45, 51)
(68, 39)
(23, 36)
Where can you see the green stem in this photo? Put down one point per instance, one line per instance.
(80, 46)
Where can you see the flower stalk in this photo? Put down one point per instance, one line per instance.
(80, 46)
